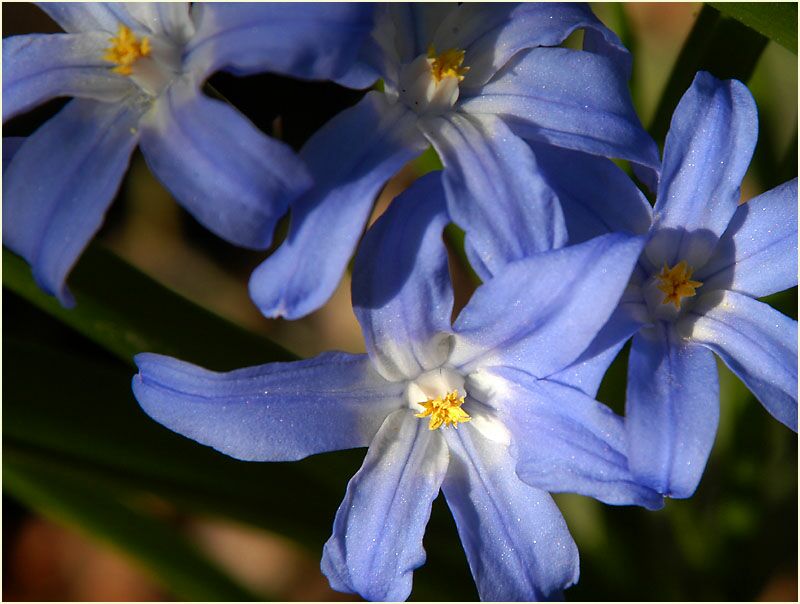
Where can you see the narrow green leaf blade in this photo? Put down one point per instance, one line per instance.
(79, 411)
(717, 44)
(127, 312)
(775, 20)
(157, 547)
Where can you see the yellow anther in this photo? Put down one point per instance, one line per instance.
(676, 283)
(447, 64)
(444, 410)
(126, 49)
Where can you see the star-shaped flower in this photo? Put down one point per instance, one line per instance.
(443, 406)
(136, 70)
(487, 86)
(694, 293)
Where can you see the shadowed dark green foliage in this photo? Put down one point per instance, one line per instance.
(125, 311)
(155, 544)
(720, 45)
(775, 20)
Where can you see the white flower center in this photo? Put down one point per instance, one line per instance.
(152, 62)
(438, 395)
(429, 84)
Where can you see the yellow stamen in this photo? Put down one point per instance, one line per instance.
(676, 283)
(444, 410)
(447, 64)
(126, 49)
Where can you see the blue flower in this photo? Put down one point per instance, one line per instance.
(472, 80)
(11, 144)
(694, 293)
(439, 405)
(136, 71)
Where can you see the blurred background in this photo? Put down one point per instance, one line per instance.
(736, 539)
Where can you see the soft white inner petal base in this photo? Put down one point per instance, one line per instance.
(422, 93)
(433, 384)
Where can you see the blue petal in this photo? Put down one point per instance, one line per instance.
(494, 191)
(671, 412)
(169, 19)
(39, 67)
(168, 24)
(758, 343)
(567, 442)
(391, 44)
(377, 535)
(588, 370)
(403, 31)
(219, 166)
(361, 75)
(517, 543)
(568, 98)
(60, 183)
(161, 18)
(402, 295)
(414, 25)
(350, 159)
(553, 305)
(706, 154)
(11, 145)
(274, 412)
(76, 17)
(757, 255)
(307, 40)
(493, 33)
(602, 200)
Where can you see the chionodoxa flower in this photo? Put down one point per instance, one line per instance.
(694, 293)
(440, 406)
(487, 86)
(136, 70)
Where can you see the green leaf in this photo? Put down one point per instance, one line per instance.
(127, 312)
(462, 273)
(428, 162)
(155, 545)
(775, 20)
(717, 44)
(78, 412)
